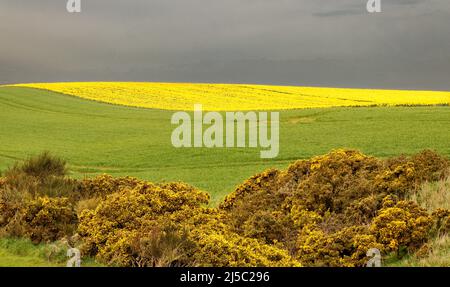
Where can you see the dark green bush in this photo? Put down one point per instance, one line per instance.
(40, 166)
(43, 175)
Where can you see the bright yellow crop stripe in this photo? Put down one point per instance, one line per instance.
(233, 97)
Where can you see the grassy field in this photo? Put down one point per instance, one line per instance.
(102, 138)
(96, 137)
(23, 253)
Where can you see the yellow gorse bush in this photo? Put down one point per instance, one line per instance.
(324, 211)
(232, 97)
(331, 209)
(144, 226)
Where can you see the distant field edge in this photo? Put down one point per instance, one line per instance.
(237, 97)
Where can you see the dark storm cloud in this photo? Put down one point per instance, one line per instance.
(298, 42)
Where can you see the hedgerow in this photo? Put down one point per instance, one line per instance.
(325, 211)
(314, 207)
(125, 228)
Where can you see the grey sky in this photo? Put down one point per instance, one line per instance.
(296, 42)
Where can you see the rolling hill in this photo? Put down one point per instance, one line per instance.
(96, 137)
(233, 97)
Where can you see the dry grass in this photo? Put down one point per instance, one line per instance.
(439, 255)
(432, 196)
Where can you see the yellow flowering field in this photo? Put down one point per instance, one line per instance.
(232, 97)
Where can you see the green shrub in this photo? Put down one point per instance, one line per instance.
(42, 175)
(41, 166)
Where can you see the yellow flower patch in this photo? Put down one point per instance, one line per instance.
(234, 97)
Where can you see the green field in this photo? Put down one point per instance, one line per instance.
(23, 253)
(102, 138)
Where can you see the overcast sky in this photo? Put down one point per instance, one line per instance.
(295, 42)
